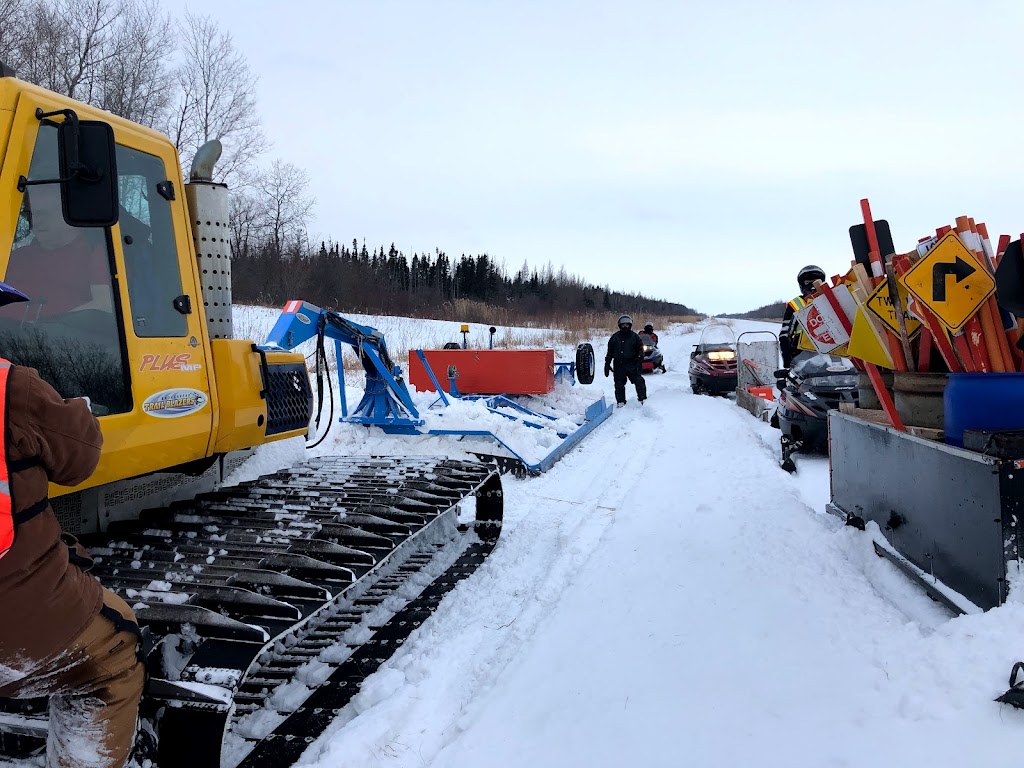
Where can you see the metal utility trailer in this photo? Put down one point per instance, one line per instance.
(757, 360)
(951, 517)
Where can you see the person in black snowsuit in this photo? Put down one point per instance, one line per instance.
(627, 351)
(649, 330)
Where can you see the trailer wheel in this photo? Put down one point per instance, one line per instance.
(585, 364)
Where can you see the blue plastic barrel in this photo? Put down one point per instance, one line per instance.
(992, 401)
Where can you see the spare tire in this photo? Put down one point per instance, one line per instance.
(585, 364)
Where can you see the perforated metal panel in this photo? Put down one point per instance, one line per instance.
(68, 510)
(135, 490)
(208, 206)
(236, 459)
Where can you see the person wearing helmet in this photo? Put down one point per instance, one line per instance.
(649, 331)
(626, 350)
(789, 336)
(62, 635)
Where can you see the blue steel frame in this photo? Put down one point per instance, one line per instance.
(386, 402)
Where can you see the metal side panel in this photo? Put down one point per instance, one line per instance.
(938, 506)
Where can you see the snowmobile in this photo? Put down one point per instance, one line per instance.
(713, 361)
(653, 359)
(813, 385)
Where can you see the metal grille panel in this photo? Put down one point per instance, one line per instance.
(289, 398)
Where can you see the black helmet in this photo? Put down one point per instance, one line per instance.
(625, 320)
(649, 327)
(805, 277)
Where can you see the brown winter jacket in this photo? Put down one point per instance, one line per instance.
(45, 602)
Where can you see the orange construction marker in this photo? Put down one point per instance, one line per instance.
(991, 321)
(924, 351)
(877, 267)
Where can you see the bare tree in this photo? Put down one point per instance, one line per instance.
(67, 44)
(111, 53)
(285, 189)
(217, 99)
(14, 31)
(137, 82)
(249, 217)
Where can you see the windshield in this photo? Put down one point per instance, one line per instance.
(717, 337)
(818, 365)
(68, 330)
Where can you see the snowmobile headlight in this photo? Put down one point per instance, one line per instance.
(722, 355)
(647, 347)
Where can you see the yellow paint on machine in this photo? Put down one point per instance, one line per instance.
(186, 399)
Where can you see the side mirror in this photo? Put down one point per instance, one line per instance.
(88, 171)
(781, 373)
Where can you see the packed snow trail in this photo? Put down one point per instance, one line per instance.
(664, 597)
(667, 596)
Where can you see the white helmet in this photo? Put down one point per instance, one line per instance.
(625, 320)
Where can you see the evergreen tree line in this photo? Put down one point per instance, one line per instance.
(353, 278)
(773, 311)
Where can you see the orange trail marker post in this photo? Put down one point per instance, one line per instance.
(991, 323)
(877, 270)
(924, 351)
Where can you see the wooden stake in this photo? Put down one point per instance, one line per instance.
(901, 321)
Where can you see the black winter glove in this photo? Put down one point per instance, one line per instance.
(607, 369)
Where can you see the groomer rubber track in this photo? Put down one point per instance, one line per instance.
(269, 603)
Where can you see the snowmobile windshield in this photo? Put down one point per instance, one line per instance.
(818, 366)
(717, 337)
(647, 340)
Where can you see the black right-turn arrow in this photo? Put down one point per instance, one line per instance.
(961, 270)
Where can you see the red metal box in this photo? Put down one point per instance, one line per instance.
(487, 371)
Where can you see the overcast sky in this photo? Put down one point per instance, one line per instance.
(698, 152)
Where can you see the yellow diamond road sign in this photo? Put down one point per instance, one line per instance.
(951, 282)
(880, 304)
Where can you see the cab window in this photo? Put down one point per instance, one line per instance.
(147, 240)
(68, 330)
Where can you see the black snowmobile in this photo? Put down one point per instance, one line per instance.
(653, 359)
(812, 386)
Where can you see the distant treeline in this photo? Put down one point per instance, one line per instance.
(773, 311)
(356, 279)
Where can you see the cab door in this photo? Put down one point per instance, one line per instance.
(115, 314)
(162, 310)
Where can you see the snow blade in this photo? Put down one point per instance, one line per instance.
(1014, 696)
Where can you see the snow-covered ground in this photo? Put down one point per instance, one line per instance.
(666, 596)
